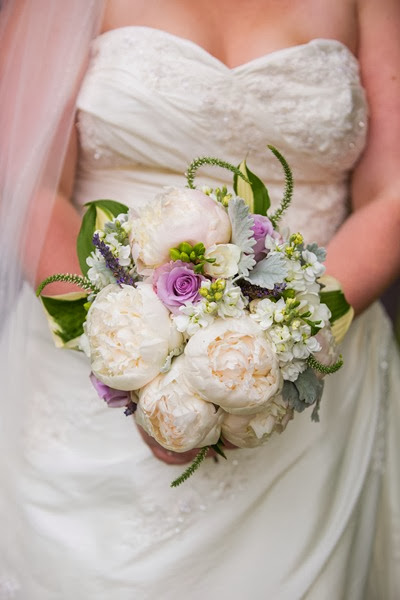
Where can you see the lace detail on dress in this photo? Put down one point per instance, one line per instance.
(160, 93)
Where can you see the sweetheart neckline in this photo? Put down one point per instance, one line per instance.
(248, 64)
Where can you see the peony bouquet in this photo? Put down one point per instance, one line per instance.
(200, 315)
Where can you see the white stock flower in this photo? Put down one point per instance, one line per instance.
(292, 369)
(232, 364)
(296, 276)
(130, 335)
(250, 431)
(98, 273)
(232, 303)
(266, 312)
(313, 268)
(176, 416)
(310, 302)
(175, 216)
(226, 256)
(192, 317)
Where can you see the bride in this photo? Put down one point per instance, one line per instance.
(86, 506)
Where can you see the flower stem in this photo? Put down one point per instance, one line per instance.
(200, 456)
(83, 282)
(207, 160)
(288, 193)
(326, 370)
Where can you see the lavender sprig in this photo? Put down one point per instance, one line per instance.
(130, 408)
(120, 273)
(254, 292)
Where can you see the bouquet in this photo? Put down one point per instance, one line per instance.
(200, 316)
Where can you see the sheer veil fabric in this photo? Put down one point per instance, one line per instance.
(43, 51)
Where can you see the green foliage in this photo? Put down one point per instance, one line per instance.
(208, 160)
(288, 193)
(268, 272)
(83, 282)
(253, 192)
(66, 316)
(304, 392)
(242, 233)
(336, 302)
(319, 251)
(97, 214)
(325, 369)
(192, 468)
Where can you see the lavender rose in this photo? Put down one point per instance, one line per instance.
(176, 283)
(114, 398)
(261, 228)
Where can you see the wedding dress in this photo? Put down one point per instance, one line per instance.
(312, 514)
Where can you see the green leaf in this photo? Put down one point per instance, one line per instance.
(336, 302)
(342, 312)
(66, 314)
(97, 214)
(218, 448)
(255, 194)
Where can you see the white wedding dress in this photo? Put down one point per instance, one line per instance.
(314, 513)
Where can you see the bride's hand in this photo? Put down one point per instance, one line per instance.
(174, 458)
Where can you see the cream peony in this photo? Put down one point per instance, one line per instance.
(249, 431)
(129, 335)
(231, 363)
(178, 215)
(172, 413)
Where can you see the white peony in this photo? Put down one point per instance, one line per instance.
(226, 256)
(249, 431)
(232, 364)
(176, 216)
(129, 334)
(174, 415)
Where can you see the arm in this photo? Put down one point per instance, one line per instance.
(365, 253)
(58, 253)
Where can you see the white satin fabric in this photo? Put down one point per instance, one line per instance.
(314, 513)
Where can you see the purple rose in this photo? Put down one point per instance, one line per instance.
(176, 283)
(261, 228)
(114, 398)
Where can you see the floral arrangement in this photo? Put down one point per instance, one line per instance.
(200, 316)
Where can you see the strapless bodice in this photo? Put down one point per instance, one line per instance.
(152, 101)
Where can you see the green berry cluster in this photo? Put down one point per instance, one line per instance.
(295, 245)
(221, 194)
(191, 254)
(214, 292)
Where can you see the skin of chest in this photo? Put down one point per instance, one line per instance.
(236, 32)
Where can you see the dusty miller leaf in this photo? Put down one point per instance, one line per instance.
(309, 386)
(269, 271)
(242, 233)
(304, 392)
(242, 223)
(319, 252)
